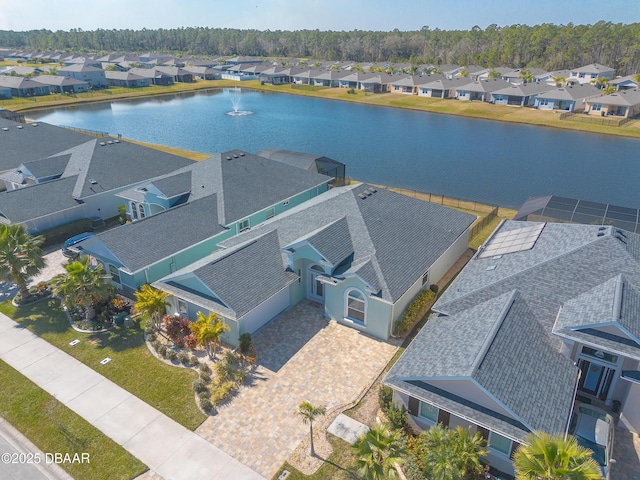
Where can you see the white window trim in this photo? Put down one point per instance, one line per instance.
(426, 420)
(244, 229)
(494, 450)
(355, 321)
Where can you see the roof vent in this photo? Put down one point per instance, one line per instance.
(602, 228)
(116, 141)
(110, 142)
(362, 195)
(92, 181)
(19, 127)
(34, 124)
(600, 234)
(6, 129)
(228, 158)
(102, 144)
(242, 154)
(235, 155)
(491, 267)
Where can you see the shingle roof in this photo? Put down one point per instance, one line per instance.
(570, 267)
(36, 201)
(174, 185)
(48, 167)
(402, 236)
(154, 238)
(34, 142)
(333, 242)
(572, 92)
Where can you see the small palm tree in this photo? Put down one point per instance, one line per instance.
(152, 302)
(554, 457)
(636, 78)
(20, 256)
(526, 75)
(378, 451)
(559, 81)
(308, 413)
(208, 329)
(493, 74)
(84, 286)
(451, 454)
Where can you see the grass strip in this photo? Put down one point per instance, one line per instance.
(132, 366)
(54, 428)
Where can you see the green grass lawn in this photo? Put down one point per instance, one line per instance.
(54, 428)
(132, 366)
(339, 466)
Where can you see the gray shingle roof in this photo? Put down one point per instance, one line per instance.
(572, 92)
(32, 143)
(402, 236)
(578, 268)
(154, 238)
(48, 167)
(333, 242)
(37, 201)
(174, 185)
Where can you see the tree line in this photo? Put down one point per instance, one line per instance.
(546, 46)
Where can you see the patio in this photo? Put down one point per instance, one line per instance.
(302, 356)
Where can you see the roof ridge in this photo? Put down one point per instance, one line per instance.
(491, 335)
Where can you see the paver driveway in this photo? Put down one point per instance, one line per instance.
(302, 356)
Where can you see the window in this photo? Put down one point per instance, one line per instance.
(271, 212)
(429, 412)
(134, 211)
(356, 306)
(425, 278)
(581, 75)
(499, 443)
(243, 225)
(141, 210)
(182, 308)
(599, 354)
(115, 274)
(596, 107)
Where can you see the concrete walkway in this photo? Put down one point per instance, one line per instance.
(166, 447)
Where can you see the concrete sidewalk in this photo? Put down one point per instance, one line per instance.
(166, 447)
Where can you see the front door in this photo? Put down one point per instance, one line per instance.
(595, 379)
(315, 286)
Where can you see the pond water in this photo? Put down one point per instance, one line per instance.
(491, 162)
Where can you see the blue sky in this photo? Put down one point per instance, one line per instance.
(308, 14)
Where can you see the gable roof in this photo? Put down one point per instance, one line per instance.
(400, 236)
(579, 91)
(255, 266)
(34, 141)
(622, 98)
(154, 238)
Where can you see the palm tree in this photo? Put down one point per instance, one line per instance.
(559, 81)
(554, 457)
(526, 75)
(208, 329)
(451, 454)
(378, 451)
(20, 256)
(308, 413)
(494, 74)
(152, 302)
(636, 78)
(84, 286)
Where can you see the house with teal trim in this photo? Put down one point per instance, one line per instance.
(361, 252)
(180, 217)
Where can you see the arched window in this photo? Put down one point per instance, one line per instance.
(356, 306)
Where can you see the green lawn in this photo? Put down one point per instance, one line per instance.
(132, 366)
(54, 428)
(339, 466)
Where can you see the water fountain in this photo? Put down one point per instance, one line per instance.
(235, 103)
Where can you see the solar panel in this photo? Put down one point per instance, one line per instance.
(512, 241)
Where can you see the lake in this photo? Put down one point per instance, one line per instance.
(491, 162)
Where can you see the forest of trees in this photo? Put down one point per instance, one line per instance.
(547, 46)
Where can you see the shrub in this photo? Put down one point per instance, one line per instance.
(156, 345)
(434, 288)
(413, 311)
(205, 377)
(162, 350)
(194, 361)
(205, 394)
(205, 368)
(199, 386)
(206, 405)
(151, 337)
(220, 391)
(397, 416)
(177, 328)
(171, 354)
(183, 357)
(245, 344)
(148, 328)
(190, 341)
(385, 397)
(117, 303)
